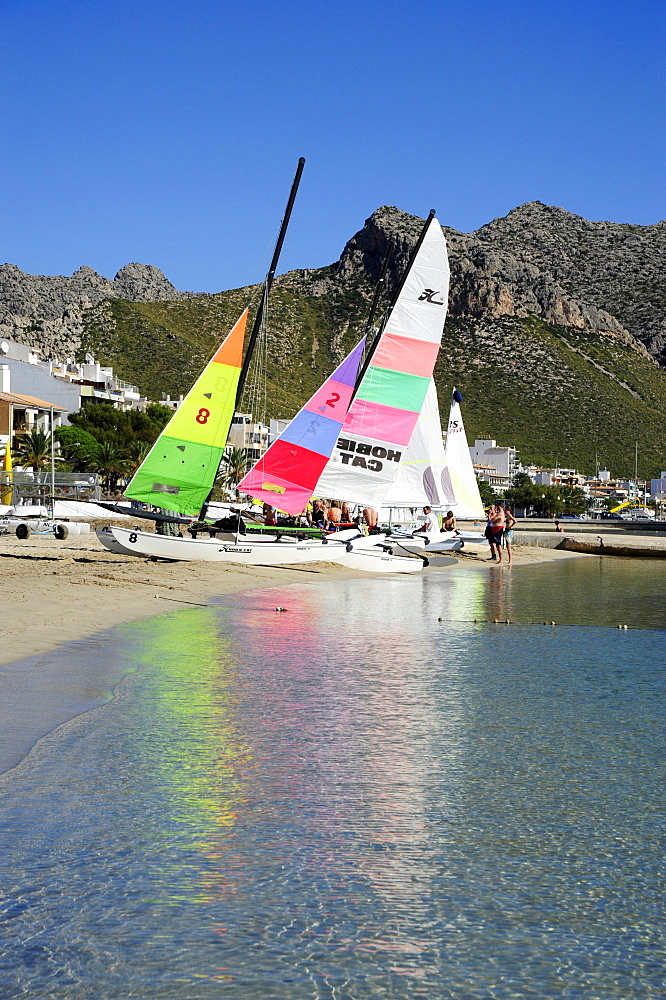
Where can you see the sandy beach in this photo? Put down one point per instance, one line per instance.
(56, 591)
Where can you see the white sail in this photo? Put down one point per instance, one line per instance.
(459, 482)
(419, 479)
(385, 409)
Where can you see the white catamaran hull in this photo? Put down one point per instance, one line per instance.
(363, 553)
(424, 544)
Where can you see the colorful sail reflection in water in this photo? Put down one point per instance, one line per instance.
(192, 692)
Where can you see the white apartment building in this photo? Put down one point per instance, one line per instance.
(487, 453)
(65, 384)
(658, 486)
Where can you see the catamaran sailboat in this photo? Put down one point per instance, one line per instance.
(359, 422)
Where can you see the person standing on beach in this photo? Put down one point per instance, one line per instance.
(490, 537)
(509, 522)
(497, 528)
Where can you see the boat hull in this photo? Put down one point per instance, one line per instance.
(424, 545)
(363, 553)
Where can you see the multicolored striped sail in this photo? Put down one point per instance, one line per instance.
(419, 479)
(386, 407)
(287, 474)
(180, 469)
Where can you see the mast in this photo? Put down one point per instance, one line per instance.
(636, 469)
(258, 319)
(396, 294)
(268, 282)
(379, 287)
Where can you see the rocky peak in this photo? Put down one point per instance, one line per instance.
(46, 311)
(144, 283)
(491, 275)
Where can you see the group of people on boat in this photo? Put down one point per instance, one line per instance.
(499, 531)
(324, 514)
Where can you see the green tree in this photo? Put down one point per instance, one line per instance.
(487, 493)
(34, 450)
(77, 447)
(523, 492)
(106, 424)
(136, 453)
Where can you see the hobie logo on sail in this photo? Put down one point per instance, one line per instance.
(428, 295)
(366, 456)
(272, 488)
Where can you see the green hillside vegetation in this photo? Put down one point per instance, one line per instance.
(526, 383)
(557, 395)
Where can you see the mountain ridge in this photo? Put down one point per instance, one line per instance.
(555, 330)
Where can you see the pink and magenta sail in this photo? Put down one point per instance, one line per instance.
(287, 474)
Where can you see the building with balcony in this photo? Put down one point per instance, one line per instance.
(65, 383)
(248, 434)
(487, 454)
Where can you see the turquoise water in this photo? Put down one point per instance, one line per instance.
(353, 799)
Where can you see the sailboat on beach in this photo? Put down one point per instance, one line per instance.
(359, 422)
(439, 475)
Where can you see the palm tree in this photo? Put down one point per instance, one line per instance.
(111, 463)
(34, 450)
(137, 451)
(234, 465)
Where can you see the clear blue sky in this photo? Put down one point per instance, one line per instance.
(167, 132)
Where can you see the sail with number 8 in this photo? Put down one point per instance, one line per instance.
(179, 471)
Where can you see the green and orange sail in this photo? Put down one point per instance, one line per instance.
(179, 471)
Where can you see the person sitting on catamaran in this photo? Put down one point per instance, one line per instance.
(371, 518)
(449, 523)
(318, 514)
(430, 525)
(333, 516)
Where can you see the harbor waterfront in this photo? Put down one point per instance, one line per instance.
(384, 791)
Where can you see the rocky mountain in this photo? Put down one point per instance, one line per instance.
(556, 331)
(47, 312)
(540, 261)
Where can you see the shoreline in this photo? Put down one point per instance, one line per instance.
(58, 592)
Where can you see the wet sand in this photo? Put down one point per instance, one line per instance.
(54, 592)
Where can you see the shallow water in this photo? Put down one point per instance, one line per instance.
(353, 799)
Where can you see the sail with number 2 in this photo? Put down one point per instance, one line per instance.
(390, 396)
(180, 469)
(287, 474)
